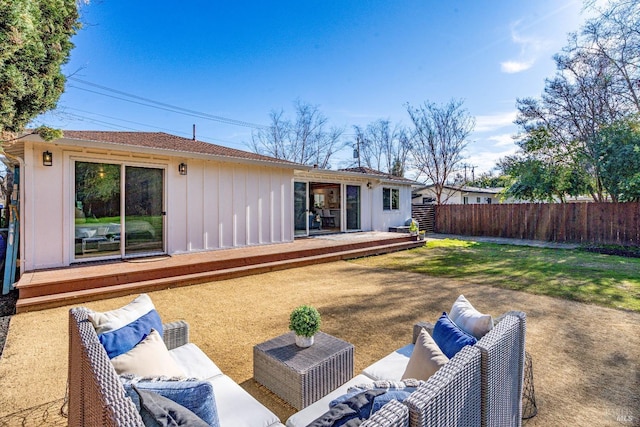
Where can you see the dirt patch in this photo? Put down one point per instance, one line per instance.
(586, 359)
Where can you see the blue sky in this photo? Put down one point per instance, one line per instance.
(358, 61)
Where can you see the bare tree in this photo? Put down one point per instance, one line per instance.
(308, 139)
(441, 133)
(614, 36)
(383, 147)
(596, 84)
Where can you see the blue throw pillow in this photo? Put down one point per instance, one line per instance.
(449, 337)
(158, 411)
(124, 339)
(383, 399)
(196, 396)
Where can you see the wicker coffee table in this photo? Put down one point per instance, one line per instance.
(301, 376)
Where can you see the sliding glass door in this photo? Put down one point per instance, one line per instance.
(143, 207)
(97, 209)
(100, 201)
(300, 208)
(353, 207)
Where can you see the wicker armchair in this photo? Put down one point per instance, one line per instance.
(393, 414)
(96, 396)
(502, 357)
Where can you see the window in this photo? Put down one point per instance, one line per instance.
(390, 199)
(427, 200)
(488, 200)
(477, 199)
(465, 200)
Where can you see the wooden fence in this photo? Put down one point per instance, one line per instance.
(601, 223)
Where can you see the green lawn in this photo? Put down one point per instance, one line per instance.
(607, 280)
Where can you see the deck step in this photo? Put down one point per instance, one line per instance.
(65, 283)
(39, 302)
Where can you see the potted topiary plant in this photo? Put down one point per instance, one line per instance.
(305, 322)
(413, 228)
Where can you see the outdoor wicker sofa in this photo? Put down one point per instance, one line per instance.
(481, 385)
(97, 396)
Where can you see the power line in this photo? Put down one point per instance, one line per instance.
(145, 125)
(99, 122)
(162, 106)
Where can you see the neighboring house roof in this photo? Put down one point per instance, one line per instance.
(165, 141)
(380, 175)
(463, 189)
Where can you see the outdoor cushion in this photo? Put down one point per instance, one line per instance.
(426, 358)
(469, 319)
(392, 366)
(116, 319)
(449, 337)
(196, 396)
(121, 340)
(150, 358)
(238, 408)
(194, 362)
(158, 411)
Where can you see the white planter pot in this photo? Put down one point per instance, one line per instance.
(304, 342)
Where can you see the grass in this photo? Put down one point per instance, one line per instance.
(573, 274)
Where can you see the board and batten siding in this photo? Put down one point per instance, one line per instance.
(217, 205)
(225, 205)
(391, 218)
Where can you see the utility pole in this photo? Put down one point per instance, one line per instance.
(356, 152)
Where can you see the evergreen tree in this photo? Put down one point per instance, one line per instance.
(35, 41)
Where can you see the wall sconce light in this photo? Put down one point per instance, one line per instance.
(182, 168)
(47, 158)
(369, 185)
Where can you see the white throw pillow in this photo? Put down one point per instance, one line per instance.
(116, 319)
(150, 358)
(469, 319)
(426, 358)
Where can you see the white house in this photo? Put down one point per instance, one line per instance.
(461, 195)
(114, 195)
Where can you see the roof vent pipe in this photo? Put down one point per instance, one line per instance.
(194, 132)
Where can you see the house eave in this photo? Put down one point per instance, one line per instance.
(156, 151)
(356, 176)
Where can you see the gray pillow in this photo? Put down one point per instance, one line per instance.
(197, 396)
(158, 411)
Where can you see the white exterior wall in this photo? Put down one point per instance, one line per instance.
(216, 205)
(223, 205)
(391, 218)
(372, 215)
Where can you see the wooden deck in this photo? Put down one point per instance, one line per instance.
(51, 288)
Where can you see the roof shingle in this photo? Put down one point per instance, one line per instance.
(369, 171)
(165, 141)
